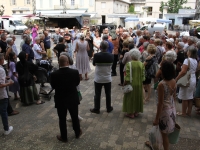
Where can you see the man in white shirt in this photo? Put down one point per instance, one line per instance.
(4, 97)
(14, 47)
(103, 62)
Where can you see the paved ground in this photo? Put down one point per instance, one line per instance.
(36, 127)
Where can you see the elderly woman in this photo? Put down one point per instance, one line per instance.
(89, 39)
(180, 56)
(9, 49)
(38, 50)
(145, 53)
(159, 50)
(28, 90)
(133, 101)
(42, 37)
(28, 50)
(149, 70)
(96, 42)
(186, 93)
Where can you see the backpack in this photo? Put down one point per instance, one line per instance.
(151, 68)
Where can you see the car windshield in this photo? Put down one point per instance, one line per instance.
(18, 22)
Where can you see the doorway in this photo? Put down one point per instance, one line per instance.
(103, 17)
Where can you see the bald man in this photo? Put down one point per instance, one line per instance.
(64, 81)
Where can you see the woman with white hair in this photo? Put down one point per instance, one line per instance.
(38, 50)
(133, 101)
(180, 56)
(10, 43)
(186, 94)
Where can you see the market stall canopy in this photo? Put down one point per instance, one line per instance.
(5, 16)
(31, 16)
(148, 19)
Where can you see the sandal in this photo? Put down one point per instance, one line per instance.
(42, 102)
(148, 144)
(130, 116)
(81, 78)
(136, 114)
(180, 114)
(86, 79)
(16, 98)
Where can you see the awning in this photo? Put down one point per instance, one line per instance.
(148, 19)
(121, 15)
(47, 12)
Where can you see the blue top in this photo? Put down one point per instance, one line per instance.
(28, 50)
(110, 46)
(47, 43)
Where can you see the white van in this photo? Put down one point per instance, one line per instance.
(153, 27)
(13, 25)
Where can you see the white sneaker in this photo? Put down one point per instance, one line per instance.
(9, 131)
(80, 118)
(69, 119)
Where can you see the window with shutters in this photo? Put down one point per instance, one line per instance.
(50, 3)
(72, 2)
(61, 2)
(103, 5)
(41, 3)
(81, 2)
(28, 2)
(91, 2)
(13, 2)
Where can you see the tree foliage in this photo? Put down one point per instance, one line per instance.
(131, 9)
(2, 9)
(173, 5)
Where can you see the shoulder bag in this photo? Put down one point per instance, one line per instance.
(128, 88)
(185, 80)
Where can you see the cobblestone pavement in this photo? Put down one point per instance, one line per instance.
(36, 127)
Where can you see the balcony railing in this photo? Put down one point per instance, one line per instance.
(138, 1)
(58, 7)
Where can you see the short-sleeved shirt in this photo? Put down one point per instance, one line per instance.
(36, 48)
(56, 38)
(47, 43)
(3, 46)
(60, 48)
(3, 93)
(27, 49)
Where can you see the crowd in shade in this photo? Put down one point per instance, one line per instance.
(138, 58)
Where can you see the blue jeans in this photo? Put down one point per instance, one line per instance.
(3, 112)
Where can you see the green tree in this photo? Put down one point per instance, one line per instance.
(173, 5)
(131, 9)
(2, 10)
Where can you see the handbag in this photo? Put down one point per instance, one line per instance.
(185, 80)
(80, 96)
(174, 136)
(128, 88)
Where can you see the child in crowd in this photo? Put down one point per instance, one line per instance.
(44, 63)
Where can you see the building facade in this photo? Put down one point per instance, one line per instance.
(17, 7)
(153, 7)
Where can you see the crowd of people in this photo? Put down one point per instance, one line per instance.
(144, 60)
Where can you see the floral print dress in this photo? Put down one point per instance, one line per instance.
(168, 114)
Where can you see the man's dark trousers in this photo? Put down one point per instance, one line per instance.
(114, 65)
(97, 98)
(62, 114)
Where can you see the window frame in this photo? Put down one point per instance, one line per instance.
(104, 5)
